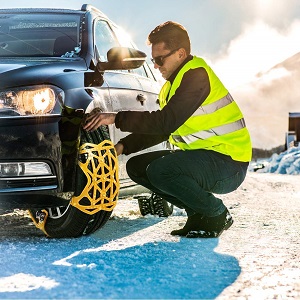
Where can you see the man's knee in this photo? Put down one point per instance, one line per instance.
(155, 172)
(131, 168)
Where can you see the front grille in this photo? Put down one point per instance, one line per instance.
(13, 184)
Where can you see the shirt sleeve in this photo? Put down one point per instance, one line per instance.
(137, 142)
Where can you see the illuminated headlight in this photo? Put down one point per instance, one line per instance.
(24, 169)
(31, 100)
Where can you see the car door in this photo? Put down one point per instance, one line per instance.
(125, 88)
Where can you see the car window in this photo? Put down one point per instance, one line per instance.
(149, 72)
(39, 34)
(140, 71)
(123, 37)
(104, 38)
(126, 41)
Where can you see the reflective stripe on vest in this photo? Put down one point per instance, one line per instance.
(210, 108)
(206, 134)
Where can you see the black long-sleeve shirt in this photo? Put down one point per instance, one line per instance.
(151, 128)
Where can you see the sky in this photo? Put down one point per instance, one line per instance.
(239, 39)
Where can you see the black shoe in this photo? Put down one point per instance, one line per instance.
(194, 222)
(213, 226)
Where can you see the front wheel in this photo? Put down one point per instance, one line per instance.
(80, 217)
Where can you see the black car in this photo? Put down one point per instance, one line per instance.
(57, 66)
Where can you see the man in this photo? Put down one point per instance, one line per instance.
(202, 120)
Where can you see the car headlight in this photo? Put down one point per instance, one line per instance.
(31, 100)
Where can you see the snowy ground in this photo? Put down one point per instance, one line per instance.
(136, 257)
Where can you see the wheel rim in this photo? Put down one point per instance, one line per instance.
(57, 212)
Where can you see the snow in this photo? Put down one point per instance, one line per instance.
(135, 257)
(25, 282)
(287, 162)
(143, 262)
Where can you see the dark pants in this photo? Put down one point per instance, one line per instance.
(188, 179)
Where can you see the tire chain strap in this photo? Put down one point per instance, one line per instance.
(41, 216)
(101, 171)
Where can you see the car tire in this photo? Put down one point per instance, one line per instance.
(69, 221)
(155, 205)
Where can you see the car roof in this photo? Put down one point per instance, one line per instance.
(84, 8)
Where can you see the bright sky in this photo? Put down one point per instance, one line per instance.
(238, 38)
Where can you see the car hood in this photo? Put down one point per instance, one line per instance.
(16, 72)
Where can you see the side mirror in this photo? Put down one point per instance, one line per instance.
(121, 58)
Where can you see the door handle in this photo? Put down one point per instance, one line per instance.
(141, 98)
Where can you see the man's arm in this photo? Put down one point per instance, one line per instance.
(192, 92)
(137, 142)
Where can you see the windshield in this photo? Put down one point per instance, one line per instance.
(39, 35)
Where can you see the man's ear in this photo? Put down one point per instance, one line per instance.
(182, 53)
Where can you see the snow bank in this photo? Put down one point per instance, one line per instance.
(287, 162)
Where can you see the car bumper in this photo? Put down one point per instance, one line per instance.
(46, 143)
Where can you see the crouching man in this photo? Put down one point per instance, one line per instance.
(197, 115)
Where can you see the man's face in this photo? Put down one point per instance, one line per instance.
(170, 59)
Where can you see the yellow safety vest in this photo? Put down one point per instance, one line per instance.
(217, 125)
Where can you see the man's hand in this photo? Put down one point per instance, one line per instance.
(95, 120)
(119, 148)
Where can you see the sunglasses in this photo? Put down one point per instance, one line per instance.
(159, 60)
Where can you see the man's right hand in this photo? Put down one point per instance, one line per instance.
(94, 120)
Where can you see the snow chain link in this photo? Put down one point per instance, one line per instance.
(41, 216)
(101, 171)
(102, 187)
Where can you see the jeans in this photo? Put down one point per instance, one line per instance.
(188, 179)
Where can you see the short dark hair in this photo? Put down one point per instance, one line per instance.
(173, 34)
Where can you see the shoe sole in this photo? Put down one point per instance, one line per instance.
(174, 232)
(209, 234)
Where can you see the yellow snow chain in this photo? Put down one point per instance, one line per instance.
(101, 171)
(42, 216)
